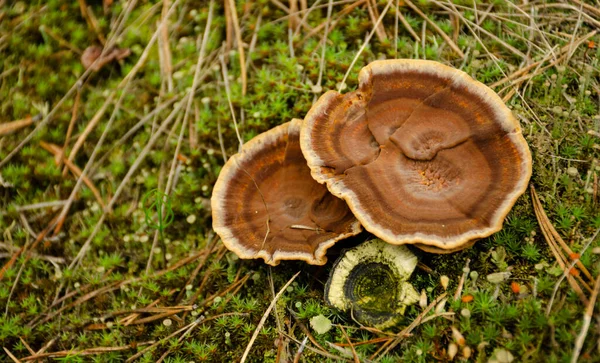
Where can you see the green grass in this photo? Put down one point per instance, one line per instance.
(85, 299)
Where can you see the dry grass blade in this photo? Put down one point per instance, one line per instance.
(60, 40)
(192, 277)
(587, 319)
(370, 341)
(391, 344)
(546, 227)
(166, 63)
(293, 20)
(407, 25)
(136, 164)
(445, 36)
(11, 356)
(57, 151)
(306, 331)
(207, 275)
(13, 126)
(560, 241)
(379, 30)
(31, 351)
(159, 316)
(89, 128)
(524, 73)
(46, 118)
(362, 48)
(91, 21)
(324, 43)
(588, 7)
(587, 18)
(321, 352)
(300, 350)
(233, 287)
(347, 10)
(40, 237)
(90, 351)
(461, 282)
(354, 355)
(174, 163)
(74, 115)
(264, 317)
(240, 45)
(111, 287)
(228, 92)
(449, 6)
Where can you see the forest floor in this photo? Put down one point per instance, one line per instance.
(90, 271)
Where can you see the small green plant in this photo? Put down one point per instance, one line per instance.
(159, 202)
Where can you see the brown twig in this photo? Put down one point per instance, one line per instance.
(40, 237)
(461, 282)
(9, 127)
(524, 73)
(354, 355)
(74, 114)
(88, 129)
(294, 19)
(31, 351)
(92, 22)
(207, 275)
(546, 226)
(406, 331)
(374, 15)
(14, 359)
(407, 26)
(264, 317)
(560, 241)
(60, 40)
(240, 45)
(345, 11)
(322, 352)
(201, 264)
(166, 63)
(305, 330)
(587, 319)
(89, 351)
(113, 286)
(57, 152)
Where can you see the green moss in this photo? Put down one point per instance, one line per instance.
(556, 108)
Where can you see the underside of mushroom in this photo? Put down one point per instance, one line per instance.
(266, 205)
(421, 152)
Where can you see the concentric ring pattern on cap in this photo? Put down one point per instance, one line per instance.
(266, 205)
(421, 152)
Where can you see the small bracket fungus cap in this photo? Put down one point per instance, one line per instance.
(266, 205)
(371, 280)
(422, 153)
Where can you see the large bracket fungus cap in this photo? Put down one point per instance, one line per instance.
(421, 152)
(371, 281)
(266, 205)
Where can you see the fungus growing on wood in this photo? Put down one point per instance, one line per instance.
(266, 205)
(421, 152)
(371, 281)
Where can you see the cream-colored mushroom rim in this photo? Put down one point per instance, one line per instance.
(217, 202)
(460, 78)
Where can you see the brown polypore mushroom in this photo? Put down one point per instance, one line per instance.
(266, 205)
(421, 152)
